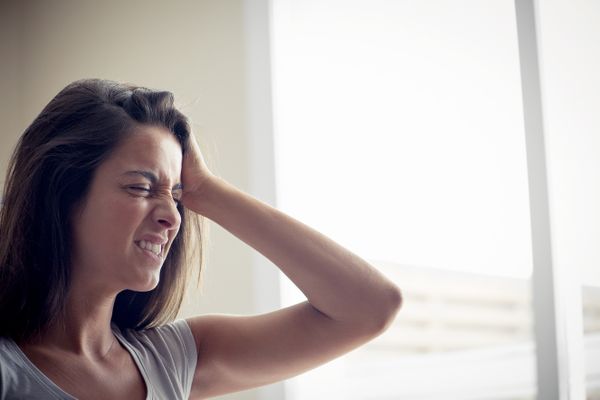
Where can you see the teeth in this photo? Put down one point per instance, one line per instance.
(155, 248)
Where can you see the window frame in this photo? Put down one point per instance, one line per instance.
(557, 330)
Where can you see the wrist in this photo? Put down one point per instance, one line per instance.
(204, 193)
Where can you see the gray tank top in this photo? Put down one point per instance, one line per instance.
(166, 357)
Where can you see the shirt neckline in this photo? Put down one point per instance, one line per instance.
(38, 375)
(56, 390)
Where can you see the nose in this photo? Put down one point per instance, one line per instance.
(167, 215)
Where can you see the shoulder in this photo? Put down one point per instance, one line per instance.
(166, 354)
(17, 377)
(172, 342)
(10, 361)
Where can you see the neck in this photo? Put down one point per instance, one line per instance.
(84, 328)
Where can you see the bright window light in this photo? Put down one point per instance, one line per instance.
(399, 130)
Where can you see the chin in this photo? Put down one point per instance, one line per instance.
(150, 284)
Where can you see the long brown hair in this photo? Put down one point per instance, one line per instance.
(50, 173)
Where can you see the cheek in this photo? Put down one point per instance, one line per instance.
(126, 210)
(105, 233)
(111, 222)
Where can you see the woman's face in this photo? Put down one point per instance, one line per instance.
(124, 228)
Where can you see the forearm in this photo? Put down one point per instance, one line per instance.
(338, 283)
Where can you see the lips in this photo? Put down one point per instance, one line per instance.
(153, 244)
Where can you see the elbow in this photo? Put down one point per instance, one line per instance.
(395, 301)
(388, 309)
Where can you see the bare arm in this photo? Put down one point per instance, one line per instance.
(349, 302)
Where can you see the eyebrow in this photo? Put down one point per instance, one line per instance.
(152, 178)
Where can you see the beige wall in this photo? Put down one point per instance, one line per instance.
(10, 100)
(192, 48)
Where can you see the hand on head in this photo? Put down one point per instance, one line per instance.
(194, 173)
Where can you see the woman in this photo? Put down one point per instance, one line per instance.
(101, 198)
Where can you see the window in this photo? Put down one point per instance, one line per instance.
(399, 133)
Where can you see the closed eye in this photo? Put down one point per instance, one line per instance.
(139, 190)
(145, 191)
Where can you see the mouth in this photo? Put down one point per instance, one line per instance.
(153, 248)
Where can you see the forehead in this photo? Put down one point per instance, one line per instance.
(149, 148)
